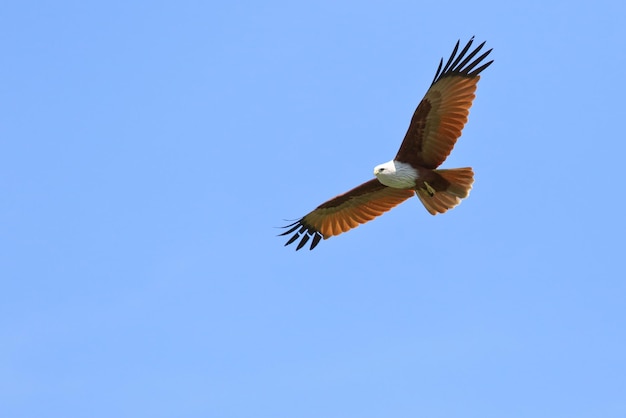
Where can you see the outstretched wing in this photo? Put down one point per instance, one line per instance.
(442, 113)
(346, 211)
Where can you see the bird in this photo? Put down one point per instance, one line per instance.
(433, 131)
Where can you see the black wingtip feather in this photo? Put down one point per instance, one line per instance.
(297, 225)
(469, 57)
(316, 239)
(456, 48)
(438, 71)
(479, 69)
(455, 64)
(303, 241)
(462, 65)
(292, 239)
(476, 62)
(303, 231)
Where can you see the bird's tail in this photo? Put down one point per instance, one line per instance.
(446, 189)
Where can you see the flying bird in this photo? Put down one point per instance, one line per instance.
(434, 129)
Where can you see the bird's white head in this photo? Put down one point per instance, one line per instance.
(386, 169)
(396, 174)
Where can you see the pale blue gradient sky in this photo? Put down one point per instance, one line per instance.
(148, 150)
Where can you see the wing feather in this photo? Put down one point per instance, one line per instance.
(441, 115)
(346, 211)
(302, 242)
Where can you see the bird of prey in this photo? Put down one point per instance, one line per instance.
(433, 131)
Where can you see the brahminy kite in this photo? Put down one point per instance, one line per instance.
(433, 131)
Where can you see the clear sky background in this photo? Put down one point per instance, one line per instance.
(149, 150)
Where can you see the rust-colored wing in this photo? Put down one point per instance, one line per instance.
(346, 211)
(442, 113)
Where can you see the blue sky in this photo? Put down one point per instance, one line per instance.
(149, 150)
